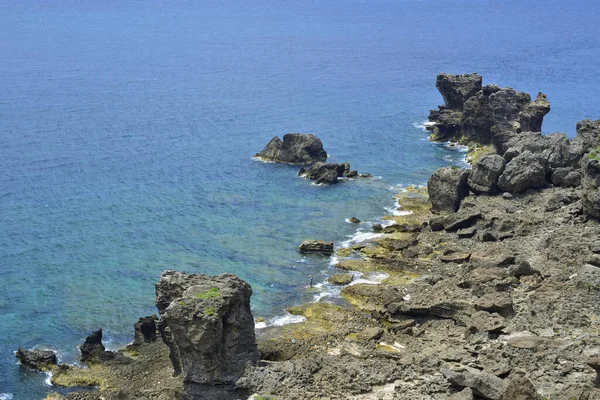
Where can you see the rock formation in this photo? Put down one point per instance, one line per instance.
(145, 330)
(324, 173)
(590, 198)
(40, 360)
(484, 175)
(296, 148)
(212, 330)
(92, 350)
(447, 187)
(316, 247)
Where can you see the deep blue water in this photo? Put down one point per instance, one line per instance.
(127, 130)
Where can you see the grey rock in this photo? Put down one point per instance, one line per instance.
(145, 330)
(92, 349)
(483, 321)
(588, 134)
(520, 388)
(447, 187)
(39, 360)
(560, 199)
(588, 277)
(340, 279)
(466, 232)
(590, 183)
(484, 175)
(521, 269)
(524, 340)
(566, 177)
(316, 247)
(498, 302)
(456, 89)
(452, 222)
(523, 172)
(465, 394)
(485, 385)
(377, 228)
(354, 220)
(296, 148)
(212, 329)
(325, 173)
(372, 333)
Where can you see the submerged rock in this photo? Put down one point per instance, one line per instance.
(316, 247)
(296, 148)
(212, 330)
(40, 360)
(447, 187)
(340, 279)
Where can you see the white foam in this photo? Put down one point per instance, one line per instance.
(48, 380)
(286, 319)
(374, 278)
(423, 125)
(360, 236)
(260, 325)
(6, 396)
(263, 160)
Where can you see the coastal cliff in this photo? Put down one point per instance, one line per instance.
(491, 288)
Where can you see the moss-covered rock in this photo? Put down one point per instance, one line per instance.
(340, 279)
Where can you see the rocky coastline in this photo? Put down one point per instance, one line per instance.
(491, 289)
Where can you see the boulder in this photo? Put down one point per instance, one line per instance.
(465, 394)
(566, 177)
(520, 388)
(354, 220)
(447, 187)
(39, 360)
(212, 330)
(521, 269)
(484, 175)
(483, 321)
(340, 279)
(456, 89)
(588, 134)
(594, 363)
(316, 247)
(525, 171)
(590, 183)
(496, 302)
(485, 385)
(296, 148)
(588, 277)
(324, 173)
(145, 330)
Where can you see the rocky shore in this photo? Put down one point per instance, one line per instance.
(491, 288)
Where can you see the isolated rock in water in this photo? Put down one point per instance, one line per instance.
(40, 360)
(483, 384)
(447, 187)
(296, 148)
(525, 171)
(212, 330)
(316, 246)
(520, 388)
(340, 279)
(590, 194)
(354, 220)
(145, 330)
(473, 112)
(93, 349)
(456, 89)
(327, 173)
(484, 175)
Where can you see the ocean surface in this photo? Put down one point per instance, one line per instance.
(127, 131)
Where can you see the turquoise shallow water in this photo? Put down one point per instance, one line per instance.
(127, 131)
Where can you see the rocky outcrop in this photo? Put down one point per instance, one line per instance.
(588, 134)
(590, 194)
(523, 172)
(483, 384)
(316, 247)
(484, 175)
(473, 112)
(212, 330)
(296, 148)
(39, 360)
(447, 187)
(323, 173)
(145, 330)
(92, 349)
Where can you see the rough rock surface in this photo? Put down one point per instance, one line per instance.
(484, 175)
(324, 173)
(590, 196)
(316, 247)
(92, 350)
(212, 329)
(525, 171)
(145, 330)
(296, 148)
(40, 360)
(456, 89)
(447, 187)
(340, 279)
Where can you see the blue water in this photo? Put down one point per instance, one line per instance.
(127, 130)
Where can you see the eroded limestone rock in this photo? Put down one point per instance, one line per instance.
(296, 148)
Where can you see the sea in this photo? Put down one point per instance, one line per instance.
(128, 130)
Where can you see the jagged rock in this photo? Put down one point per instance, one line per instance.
(566, 177)
(525, 171)
(316, 247)
(40, 360)
(447, 187)
(484, 175)
(483, 384)
(325, 173)
(590, 183)
(466, 232)
(296, 148)
(340, 279)
(498, 302)
(520, 388)
(465, 394)
(212, 330)
(588, 134)
(493, 257)
(594, 362)
(560, 199)
(521, 269)
(93, 350)
(372, 333)
(456, 89)
(351, 174)
(377, 228)
(554, 148)
(457, 257)
(588, 277)
(145, 330)
(483, 321)
(462, 219)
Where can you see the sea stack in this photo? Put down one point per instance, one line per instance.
(296, 148)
